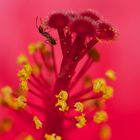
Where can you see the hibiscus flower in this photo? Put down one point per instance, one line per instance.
(46, 104)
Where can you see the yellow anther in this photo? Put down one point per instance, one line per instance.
(100, 116)
(46, 52)
(22, 59)
(62, 105)
(7, 90)
(23, 86)
(81, 121)
(87, 81)
(52, 137)
(94, 54)
(29, 137)
(108, 92)
(21, 102)
(61, 101)
(99, 85)
(63, 95)
(28, 68)
(6, 97)
(36, 69)
(34, 47)
(8, 101)
(24, 74)
(38, 123)
(110, 74)
(105, 132)
(79, 107)
(5, 124)
(99, 103)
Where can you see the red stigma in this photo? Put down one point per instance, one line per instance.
(91, 14)
(105, 31)
(58, 20)
(84, 27)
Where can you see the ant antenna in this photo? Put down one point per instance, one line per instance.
(37, 22)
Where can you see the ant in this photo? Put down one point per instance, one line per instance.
(49, 38)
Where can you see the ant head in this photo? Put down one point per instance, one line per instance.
(40, 29)
(43, 25)
(37, 23)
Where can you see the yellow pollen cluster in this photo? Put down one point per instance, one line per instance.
(81, 121)
(7, 90)
(100, 116)
(87, 81)
(6, 97)
(62, 97)
(21, 102)
(22, 59)
(62, 105)
(99, 85)
(37, 122)
(45, 51)
(79, 107)
(108, 92)
(9, 100)
(5, 124)
(34, 47)
(25, 73)
(110, 74)
(29, 137)
(105, 132)
(52, 137)
(24, 85)
(28, 69)
(36, 69)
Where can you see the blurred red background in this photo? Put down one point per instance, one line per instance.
(17, 30)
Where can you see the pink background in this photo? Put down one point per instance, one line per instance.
(17, 30)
